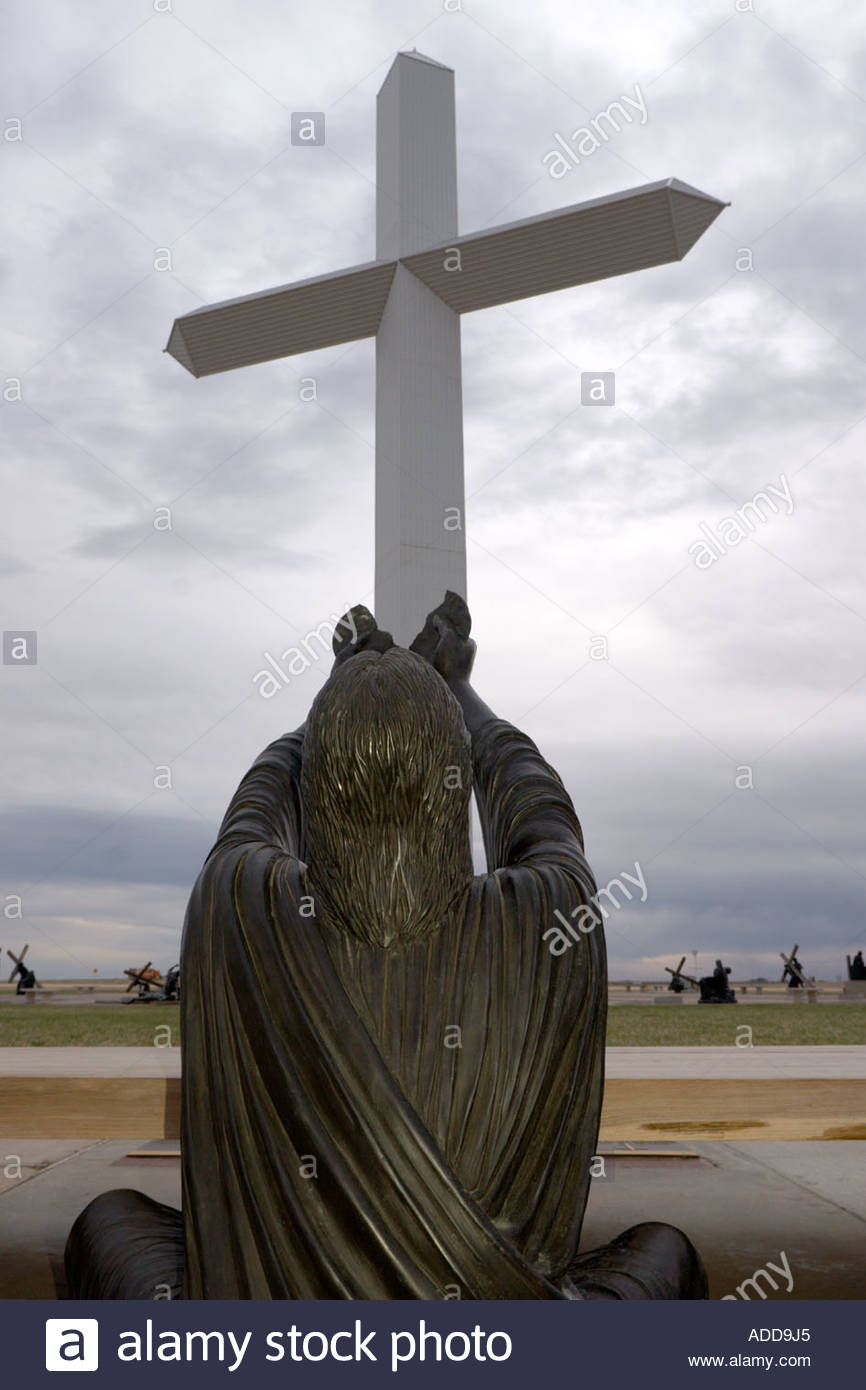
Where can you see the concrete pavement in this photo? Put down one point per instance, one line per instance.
(742, 1204)
(654, 1063)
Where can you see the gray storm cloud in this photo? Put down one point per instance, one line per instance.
(143, 130)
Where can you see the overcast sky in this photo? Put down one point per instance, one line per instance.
(148, 128)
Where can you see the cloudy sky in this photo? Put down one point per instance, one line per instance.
(148, 169)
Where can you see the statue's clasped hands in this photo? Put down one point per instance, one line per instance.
(444, 640)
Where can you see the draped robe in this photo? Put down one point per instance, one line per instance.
(410, 1121)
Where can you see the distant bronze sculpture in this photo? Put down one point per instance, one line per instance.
(792, 970)
(391, 1086)
(856, 967)
(152, 987)
(678, 981)
(27, 981)
(715, 988)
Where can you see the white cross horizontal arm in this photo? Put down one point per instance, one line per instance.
(633, 230)
(281, 322)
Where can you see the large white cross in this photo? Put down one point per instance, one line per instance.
(410, 299)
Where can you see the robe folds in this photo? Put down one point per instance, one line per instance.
(410, 1121)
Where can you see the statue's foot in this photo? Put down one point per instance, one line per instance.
(651, 1260)
(126, 1245)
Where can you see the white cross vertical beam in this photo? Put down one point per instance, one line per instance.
(419, 400)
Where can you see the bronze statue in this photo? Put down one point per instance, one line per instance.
(27, 981)
(391, 1086)
(715, 988)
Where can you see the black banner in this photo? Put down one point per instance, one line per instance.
(451, 1344)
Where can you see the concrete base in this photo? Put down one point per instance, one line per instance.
(58, 1180)
(669, 998)
(767, 1093)
(854, 989)
(741, 1204)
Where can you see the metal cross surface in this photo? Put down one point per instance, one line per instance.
(410, 299)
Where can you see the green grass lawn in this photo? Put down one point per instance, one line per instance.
(716, 1025)
(121, 1025)
(88, 1025)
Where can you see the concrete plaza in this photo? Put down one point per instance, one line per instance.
(742, 1203)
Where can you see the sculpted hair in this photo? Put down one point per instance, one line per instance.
(386, 777)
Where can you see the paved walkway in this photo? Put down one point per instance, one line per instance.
(655, 1063)
(742, 1205)
(736, 1063)
(90, 1061)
